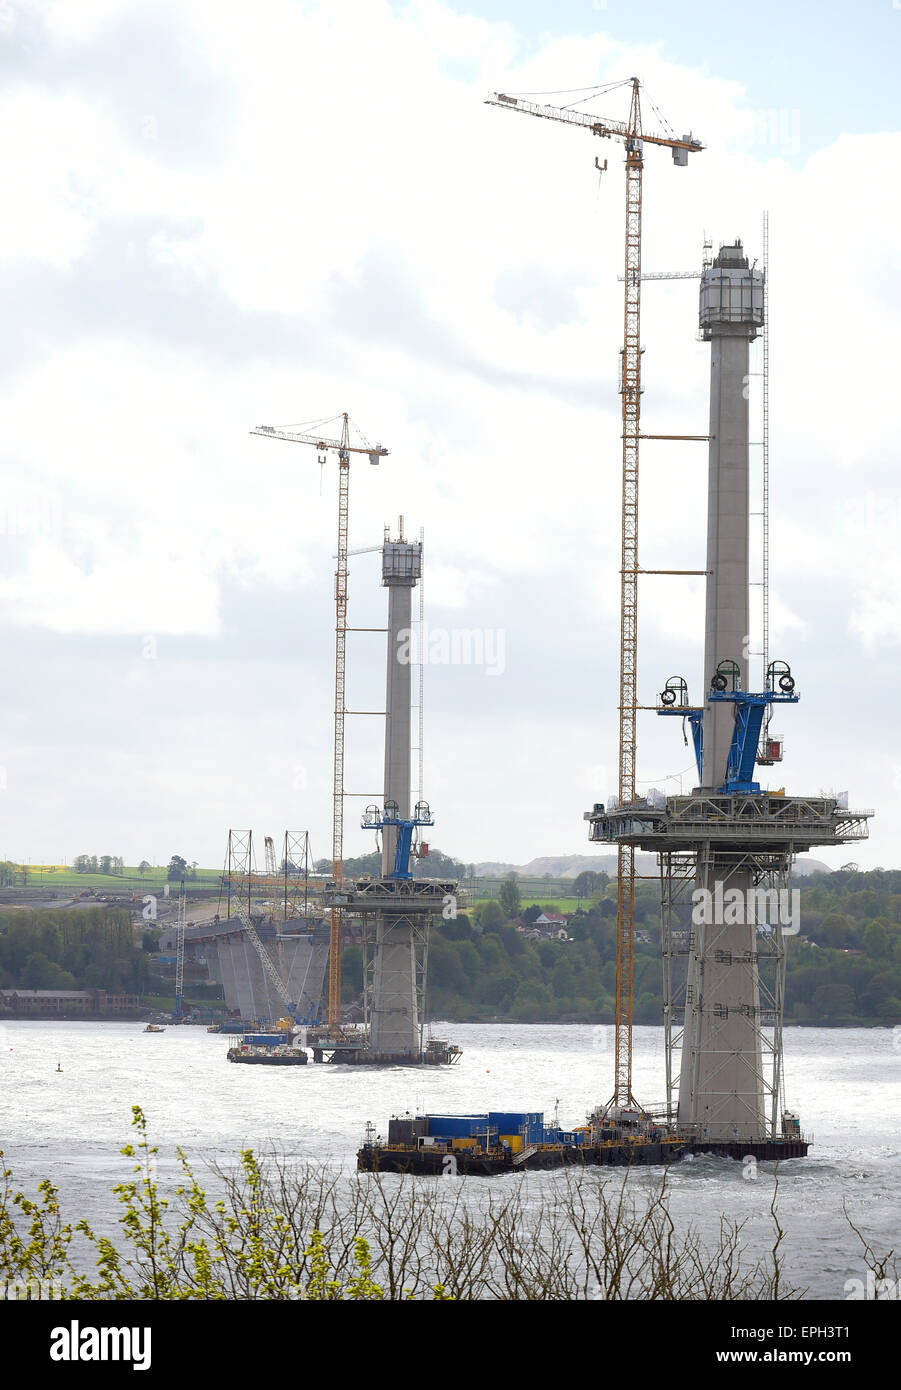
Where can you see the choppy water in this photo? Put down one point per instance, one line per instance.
(70, 1125)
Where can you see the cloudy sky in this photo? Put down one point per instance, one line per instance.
(217, 214)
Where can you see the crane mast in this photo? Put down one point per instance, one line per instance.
(630, 133)
(336, 917)
(343, 448)
(631, 418)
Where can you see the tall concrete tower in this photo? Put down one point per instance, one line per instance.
(731, 315)
(395, 1018)
(722, 1087)
(395, 909)
(726, 851)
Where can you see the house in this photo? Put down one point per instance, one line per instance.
(551, 926)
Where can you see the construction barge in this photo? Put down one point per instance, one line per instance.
(508, 1142)
(277, 1049)
(348, 1049)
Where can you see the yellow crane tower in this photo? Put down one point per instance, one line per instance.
(343, 448)
(632, 135)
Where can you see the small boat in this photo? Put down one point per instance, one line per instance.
(154, 1028)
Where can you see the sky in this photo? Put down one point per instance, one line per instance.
(219, 215)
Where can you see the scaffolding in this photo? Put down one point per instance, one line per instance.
(684, 934)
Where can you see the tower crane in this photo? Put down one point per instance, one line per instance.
(631, 134)
(667, 275)
(180, 953)
(343, 448)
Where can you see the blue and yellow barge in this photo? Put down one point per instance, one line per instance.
(499, 1142)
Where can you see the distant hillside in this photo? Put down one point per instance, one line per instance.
(571, 865)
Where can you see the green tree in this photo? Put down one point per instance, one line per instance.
(833, 1002)
(469, 959)
(490, 914)
(587, 883)
(491, 951)
(39, 972)
(563, 980)
(876, 941)
(445, 970)
(510, 899)
(177, 868)
(498, 988)
(533, 1002)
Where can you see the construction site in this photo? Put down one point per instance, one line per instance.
(724, 851)
(275, 947)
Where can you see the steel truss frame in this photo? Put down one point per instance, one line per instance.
(419, 924)
(679, 871)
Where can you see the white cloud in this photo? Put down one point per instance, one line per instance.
(368, 235)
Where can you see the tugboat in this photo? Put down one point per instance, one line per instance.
(154, 1028)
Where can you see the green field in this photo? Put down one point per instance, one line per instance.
(531, 890)
(152, 880)
(555, 894)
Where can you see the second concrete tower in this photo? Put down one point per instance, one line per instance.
(395, 1014)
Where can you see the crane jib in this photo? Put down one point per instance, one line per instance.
(610, 130)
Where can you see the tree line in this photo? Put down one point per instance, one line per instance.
(90, 948)
(844, 966)
(98, 864)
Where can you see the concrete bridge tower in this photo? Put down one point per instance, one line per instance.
(395, 1021)
(726, 850)
(395, 909)
(722, 1089)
